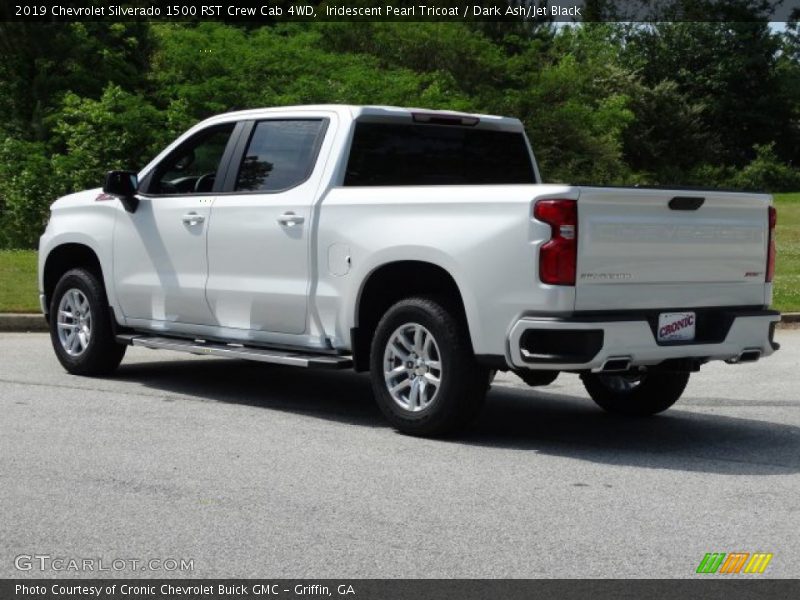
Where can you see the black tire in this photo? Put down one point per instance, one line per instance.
(492, 373)
(537, 378)
(644, 395)
(462, 387)
(101, 354)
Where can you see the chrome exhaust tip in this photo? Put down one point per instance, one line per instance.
(748, 355)
(615, 364)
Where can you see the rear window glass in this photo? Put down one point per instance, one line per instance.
(411, 154)
(280, 155)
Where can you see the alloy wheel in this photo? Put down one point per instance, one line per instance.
(412, 367)
(74, 322)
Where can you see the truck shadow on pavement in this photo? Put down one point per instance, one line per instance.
(519, 419)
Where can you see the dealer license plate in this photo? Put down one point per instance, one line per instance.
(676, 326)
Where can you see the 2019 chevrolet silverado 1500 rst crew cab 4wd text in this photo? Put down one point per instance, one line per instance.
(418, 245)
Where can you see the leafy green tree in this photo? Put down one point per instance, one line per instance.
(43, 61)
(714, 103)
(574, 104)
(668, 136)
(214, 68)
(28, 186)
(788, 74)
(766, 172)
(471, 61)
(727, 68)
(119, 131)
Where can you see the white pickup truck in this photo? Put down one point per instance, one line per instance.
(419, 245)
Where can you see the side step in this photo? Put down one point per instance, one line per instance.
(268, 355)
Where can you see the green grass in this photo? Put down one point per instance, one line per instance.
(18, 285)
(18, 291)
(786, 291)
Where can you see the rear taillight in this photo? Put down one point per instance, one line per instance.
(773, 219)
(558, 257)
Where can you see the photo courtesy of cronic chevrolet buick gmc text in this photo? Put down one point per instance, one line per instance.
(418, 245)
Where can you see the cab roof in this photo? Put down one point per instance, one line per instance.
(373, 112)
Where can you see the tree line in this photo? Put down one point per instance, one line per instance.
(666, 103)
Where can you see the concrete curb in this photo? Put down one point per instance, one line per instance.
(13, 322)
(790, 320)
(22, 322)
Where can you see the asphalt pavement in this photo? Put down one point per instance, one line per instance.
(252, 470)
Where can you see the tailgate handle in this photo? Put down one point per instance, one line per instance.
(686, 202)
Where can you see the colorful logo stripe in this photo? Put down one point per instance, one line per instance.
(758, 563)
(732, 563)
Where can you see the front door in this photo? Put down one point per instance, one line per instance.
(160, 264)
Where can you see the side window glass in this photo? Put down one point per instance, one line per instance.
(280, 155)
(192, 167)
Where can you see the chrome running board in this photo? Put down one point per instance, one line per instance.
(267, 355)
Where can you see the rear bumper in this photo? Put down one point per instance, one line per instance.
(586, 342)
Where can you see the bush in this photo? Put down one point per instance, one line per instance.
(119, 131)
(766, 172)
(28, 185)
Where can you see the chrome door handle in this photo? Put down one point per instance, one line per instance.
(289, 219)
(193, 218)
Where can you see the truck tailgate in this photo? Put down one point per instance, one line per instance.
(647, 248)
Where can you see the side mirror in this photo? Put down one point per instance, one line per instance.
(124, 185)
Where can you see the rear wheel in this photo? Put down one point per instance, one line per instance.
(537, 378)
(80, 325)
(637, 394)
(425, 377)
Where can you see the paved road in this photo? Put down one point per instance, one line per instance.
(254, 470)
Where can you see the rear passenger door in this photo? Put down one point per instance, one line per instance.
(258, 236)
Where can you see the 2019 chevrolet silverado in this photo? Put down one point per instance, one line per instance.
(418, 245)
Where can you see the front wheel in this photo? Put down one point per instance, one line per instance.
(80, 325)
(424, 375)
(638, 394)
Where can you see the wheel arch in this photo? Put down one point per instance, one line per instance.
(382, 287)
(62, 258)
